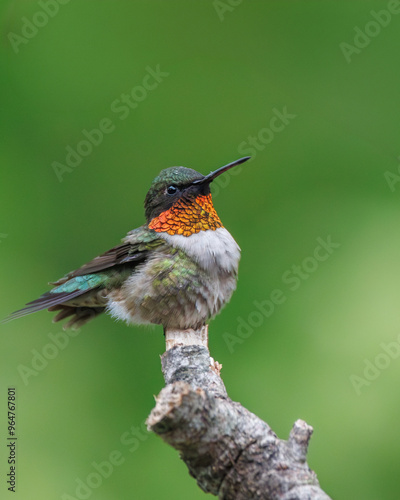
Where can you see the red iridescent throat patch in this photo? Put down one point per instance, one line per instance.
(187, 217)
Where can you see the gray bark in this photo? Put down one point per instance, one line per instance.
(229, 451)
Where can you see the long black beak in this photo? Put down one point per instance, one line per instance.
(210, 177)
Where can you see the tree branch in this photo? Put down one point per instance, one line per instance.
(230, 451)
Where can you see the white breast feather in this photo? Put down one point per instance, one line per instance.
(213, 250)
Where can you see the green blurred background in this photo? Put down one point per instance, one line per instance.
(229, 70)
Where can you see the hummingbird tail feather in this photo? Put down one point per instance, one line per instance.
(67, 291)
(47, 300)
(80, 315)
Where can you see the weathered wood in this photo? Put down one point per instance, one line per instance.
(186, 337)
(231, 452)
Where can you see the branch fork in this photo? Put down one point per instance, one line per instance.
(231, 452)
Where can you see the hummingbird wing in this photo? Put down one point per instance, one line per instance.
(106, 270)
(134, 250)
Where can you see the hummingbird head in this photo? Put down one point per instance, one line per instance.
(179, 200)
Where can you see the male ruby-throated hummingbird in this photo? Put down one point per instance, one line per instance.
(177, 270)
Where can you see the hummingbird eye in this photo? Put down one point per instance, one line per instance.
(171, 190)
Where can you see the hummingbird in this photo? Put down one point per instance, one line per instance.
(177, 270)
